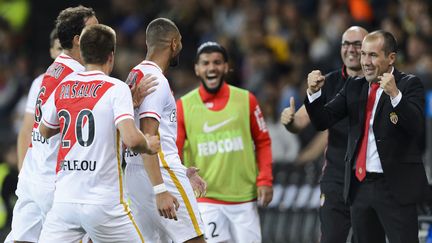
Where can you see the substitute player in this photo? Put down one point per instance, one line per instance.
(221, 130)
(157, 115)
(91, 110)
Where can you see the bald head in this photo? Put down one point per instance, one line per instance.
(355, 30)
(160, 32)
(389, 41)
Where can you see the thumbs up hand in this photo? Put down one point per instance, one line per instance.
(287, 116)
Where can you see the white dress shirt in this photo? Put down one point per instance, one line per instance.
(373, 163)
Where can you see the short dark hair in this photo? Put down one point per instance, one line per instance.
(96, 43)
(210, 47)
(390, 43)
(70, 22)
(53, 36)
(160, 31)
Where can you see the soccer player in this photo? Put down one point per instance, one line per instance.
(157, 115)
(35, 189)
(221, 130)
(24, 135)
(91, 110)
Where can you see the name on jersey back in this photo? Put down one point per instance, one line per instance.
(79, 90)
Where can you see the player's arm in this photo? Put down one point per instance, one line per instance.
(133, 138)
(47, 131)
(263, 152)
(166, 203)
(24, 137)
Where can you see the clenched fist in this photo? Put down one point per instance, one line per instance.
(315, 81)
(388, 84)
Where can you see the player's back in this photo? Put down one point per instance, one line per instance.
(39, 163)
(89, 160)
(159, 105)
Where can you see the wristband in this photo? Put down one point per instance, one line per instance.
(158, 189)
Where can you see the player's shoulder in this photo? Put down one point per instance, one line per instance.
(37, 81)
(241, 90)
(69, 62)
(148, 67)
(118, 83)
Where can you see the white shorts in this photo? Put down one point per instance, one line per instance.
(231, 222)
(154, 227)
(68, 222)
(34, 201)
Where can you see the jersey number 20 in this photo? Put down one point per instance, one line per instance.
(79, 122)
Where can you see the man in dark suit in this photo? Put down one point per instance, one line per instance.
(384, 174)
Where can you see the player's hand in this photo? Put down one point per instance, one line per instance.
(153, 144)
(388, 84)
(167, 205)
(315, 81)
(265, 195)
(198, 184)
(287, 116)
(145, 87)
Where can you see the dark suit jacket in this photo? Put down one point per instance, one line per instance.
(400, 146)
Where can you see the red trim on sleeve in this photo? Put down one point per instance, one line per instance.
(50, 124)
(150, 112)
(115, 120)
(181, 129)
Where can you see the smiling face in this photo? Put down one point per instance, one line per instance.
(211, 69)
(374, 61)
(351, 46)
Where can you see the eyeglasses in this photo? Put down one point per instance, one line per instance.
(355, 44)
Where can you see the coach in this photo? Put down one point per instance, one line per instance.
(384, 174)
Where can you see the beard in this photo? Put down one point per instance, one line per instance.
(215, 89)
(174, 62)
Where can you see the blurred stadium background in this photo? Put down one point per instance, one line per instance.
(272, 45)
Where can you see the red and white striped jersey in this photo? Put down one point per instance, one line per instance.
(40, 160)
(161, 106)
(87, 107)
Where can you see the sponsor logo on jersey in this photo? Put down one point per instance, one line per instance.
(37, 137)
(130, 153)
(173, 115)
(221, 146)
(220, 142)
(211, 128)
(79, 165)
